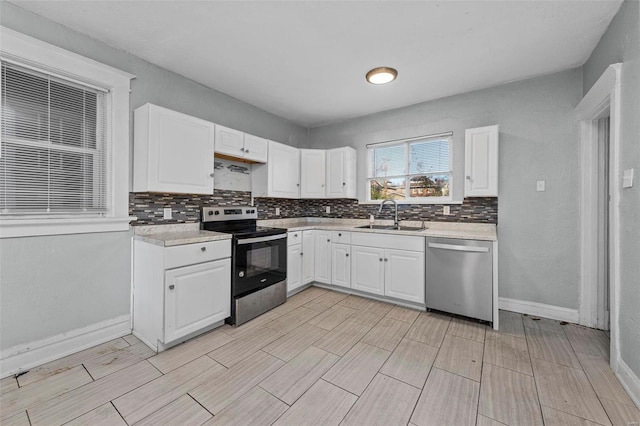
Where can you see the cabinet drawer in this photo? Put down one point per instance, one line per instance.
(341, 237)
(398, 242)
(190, 254)
(294, 237)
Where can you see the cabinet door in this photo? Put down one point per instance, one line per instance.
(308, 256)
(229, 141)
(284, 171)
(341, 265)
(196, 297)
(323, 257)
(481, 162)
(404, 275)
(255, 148)
(180, 153)
(341, 173)
(312, 173)
(294, 267)
(367, 269)
(336, 179)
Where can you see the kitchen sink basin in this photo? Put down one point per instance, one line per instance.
(392, 228)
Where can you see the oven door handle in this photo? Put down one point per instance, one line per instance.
(261, 239)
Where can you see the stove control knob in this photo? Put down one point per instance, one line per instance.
(248, 211)
(241, 274)
(210, 213)
(217, 212)
(253, 211)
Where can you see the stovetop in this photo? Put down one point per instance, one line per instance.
(240, 221)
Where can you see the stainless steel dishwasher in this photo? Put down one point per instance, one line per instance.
(460, 277)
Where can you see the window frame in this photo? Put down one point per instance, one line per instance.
(28, 52)
(407, 142)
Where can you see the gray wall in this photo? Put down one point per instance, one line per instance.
(538, 231)
(621, 43)
(50, 285)
(59, 283)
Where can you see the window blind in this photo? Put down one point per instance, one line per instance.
(53, 146)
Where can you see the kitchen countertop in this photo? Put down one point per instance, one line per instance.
(468, 231)
(175, 235)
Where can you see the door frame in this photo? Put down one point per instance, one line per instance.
(602, 98)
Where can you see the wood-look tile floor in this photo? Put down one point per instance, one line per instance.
(325, 358)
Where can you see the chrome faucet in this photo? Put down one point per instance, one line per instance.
(395, 218)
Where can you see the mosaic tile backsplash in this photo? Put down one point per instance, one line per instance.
(148, 208)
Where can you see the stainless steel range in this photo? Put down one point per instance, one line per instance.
(258, 260)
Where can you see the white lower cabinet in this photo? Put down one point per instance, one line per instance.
(367, 269)
(195, 297)
(404, 275)
(179, 290)
(323, 256)
(381, 265)
(341, 265)
(300, 259)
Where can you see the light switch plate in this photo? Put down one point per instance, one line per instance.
(327, 209)
(540, 186)
(627, 178)
(446, 210)
(277, 211)
(167, 213)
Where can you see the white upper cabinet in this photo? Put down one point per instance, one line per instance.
(235, 143)
(280, 177)
(341, 173)
(229, 141)
(481, 162)
(173, 152)
(312, 173)
(255, 148)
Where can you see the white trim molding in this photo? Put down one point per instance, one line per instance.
(630, 382)
(23, 357)
(27, 51)
(603, 99)
(539, 309)
(34, 227)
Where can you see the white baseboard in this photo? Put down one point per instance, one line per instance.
(22, 357)
(630, 381)
(539, 309)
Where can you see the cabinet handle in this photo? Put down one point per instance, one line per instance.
(297, 184)
(242, 149)
(322, 186)
(171, 287)
(339, 235)
(386, 260)
(246, 151)
(344, 183)
(301, 253)
(468, 177)
(328, 241)
(203, 249)
(347, 254)
(380, 259)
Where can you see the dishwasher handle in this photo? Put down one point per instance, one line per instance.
(459, 248)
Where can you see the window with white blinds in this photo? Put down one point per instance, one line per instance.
(53, 146)
(417, 169)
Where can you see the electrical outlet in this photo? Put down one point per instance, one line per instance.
(446, 210)
(277, 211)
(327, 209)
(540, 186)
(627, 178)
(167, 213)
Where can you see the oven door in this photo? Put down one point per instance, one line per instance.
(259, 262)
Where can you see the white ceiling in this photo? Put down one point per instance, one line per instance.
(306, 60)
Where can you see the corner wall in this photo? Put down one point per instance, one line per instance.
(538, 231)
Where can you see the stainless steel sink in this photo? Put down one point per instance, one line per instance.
(392, 228)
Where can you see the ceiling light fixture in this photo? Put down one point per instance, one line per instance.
(382, 75)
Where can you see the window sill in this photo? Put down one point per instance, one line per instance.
(438, 201)
(32, 227)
